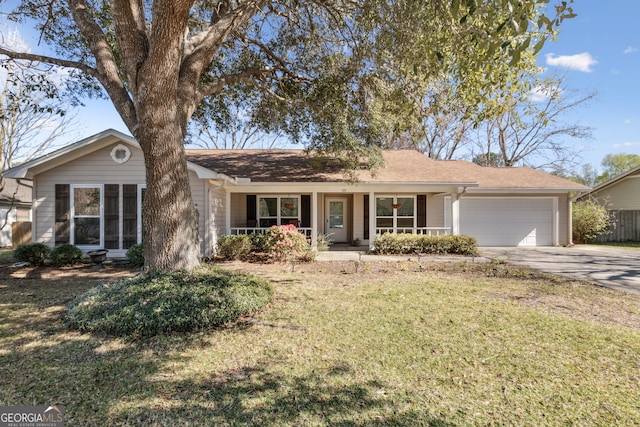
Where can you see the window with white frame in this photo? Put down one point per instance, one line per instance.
(278, 210)
(86, 205)
(395, 213)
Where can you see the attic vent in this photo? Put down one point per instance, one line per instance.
(120, 153)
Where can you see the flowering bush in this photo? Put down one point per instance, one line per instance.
(284, 242)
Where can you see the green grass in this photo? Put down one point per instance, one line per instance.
(388, 346)
(6, 253)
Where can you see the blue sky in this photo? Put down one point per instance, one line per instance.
(599, 51)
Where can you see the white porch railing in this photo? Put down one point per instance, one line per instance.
(429, 231)
(305, 231)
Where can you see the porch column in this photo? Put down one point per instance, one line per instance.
(372, 218)
(314, 220)
(227, 212)
(455, 214)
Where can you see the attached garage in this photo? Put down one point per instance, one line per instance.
(501, 221)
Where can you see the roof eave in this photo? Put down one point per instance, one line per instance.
(25, 170)
(526, 190)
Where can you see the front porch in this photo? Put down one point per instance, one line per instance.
(352, 218)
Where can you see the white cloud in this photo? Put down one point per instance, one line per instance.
(627, 121)
(630, 49)
(542, 93)
(627, 145)
(615, 72)
(579, 62)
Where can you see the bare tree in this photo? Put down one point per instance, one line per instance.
(531, 130)
(34, 118)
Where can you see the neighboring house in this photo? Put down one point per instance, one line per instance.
(621, 196)
(15, 206)
(90, 194)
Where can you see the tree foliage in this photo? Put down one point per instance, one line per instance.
(590, 220)
(317, 71)
(617, 164)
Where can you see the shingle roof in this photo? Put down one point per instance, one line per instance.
(400, 166)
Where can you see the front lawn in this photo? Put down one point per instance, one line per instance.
(393, 344)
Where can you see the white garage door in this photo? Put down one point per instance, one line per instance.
(507, 221)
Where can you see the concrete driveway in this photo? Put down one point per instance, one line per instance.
(606, 266)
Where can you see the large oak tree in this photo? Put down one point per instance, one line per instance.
(310, 69)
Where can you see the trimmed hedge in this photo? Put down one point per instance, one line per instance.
(390, 243)
(65, 255)
(135, 255)
(34, 253)
(152, 304)
(234, 246)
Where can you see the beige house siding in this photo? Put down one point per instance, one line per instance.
(623, 195)
(198, 194)
(435, 211)
(217, 218)
(238, 210)
(94, 168)
(358, 216)
(98, 168)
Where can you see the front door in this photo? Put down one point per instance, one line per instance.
(336, 219)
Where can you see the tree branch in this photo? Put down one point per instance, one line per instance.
(106, 66)
(49, 60)
(131, 35)
(199, 50)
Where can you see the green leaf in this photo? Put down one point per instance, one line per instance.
(455, 7)
(538, 46)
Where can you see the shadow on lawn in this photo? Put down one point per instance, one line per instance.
(256, 396)
(106, 381)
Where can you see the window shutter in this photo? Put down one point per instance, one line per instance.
(366, 216)
(422, 210)
(112, 216)
(251, 207)
(63, 214)
(305, 210)
(129, 215)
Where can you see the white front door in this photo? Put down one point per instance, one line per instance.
(336, 219)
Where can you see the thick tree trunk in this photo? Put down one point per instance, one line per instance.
(170, 219)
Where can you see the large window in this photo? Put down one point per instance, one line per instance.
(277, 210)
(87, 215)
(395, 213)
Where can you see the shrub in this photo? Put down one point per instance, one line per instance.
(65, 255)
(590, 220)
(152, 304)
(135, 255)
(234, 246)
(34, 253)
(390, 243)
(284, 242)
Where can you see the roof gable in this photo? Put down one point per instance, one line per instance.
(615, 180)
